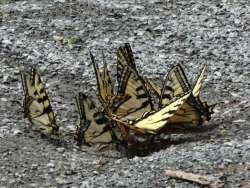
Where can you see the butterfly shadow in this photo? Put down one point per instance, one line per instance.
(156, 145)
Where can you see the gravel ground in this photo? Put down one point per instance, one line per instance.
(162, 33)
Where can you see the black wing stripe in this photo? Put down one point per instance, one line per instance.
(44, 98)
(48, 109)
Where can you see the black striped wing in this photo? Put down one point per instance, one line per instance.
(193, 111)
(130, 84)
(175, 84)
(153, 121)
(94, 126)
(104, 83)
(138, 101)
(37, 107)
(125, 59)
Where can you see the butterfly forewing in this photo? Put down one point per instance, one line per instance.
(160, 118)
(132, 85)
(153, 87)
(193, 111)
(99, 79)
(104, 84)
(124, 58)
(93, 128)
(197, 86)
(175, 85)
(139, 100)
(108, 86)
(151, 122)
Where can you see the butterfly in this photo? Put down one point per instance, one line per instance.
(194, 111)
(131, 100)
(36, 104)
(153, 121)
(94, 128)
(134, 113)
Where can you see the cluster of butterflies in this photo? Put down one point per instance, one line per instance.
(138, 112)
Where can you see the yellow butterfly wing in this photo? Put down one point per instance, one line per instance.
(152, 122)
(37, 107)
(108, 86)
(197, 87)
(153, 87)
(125, 59)
(160, 118)
(175, 85)
(132, 85)
(193, 111)
(94, 126)
(100, 82)
(104, 84)
(139, 100)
